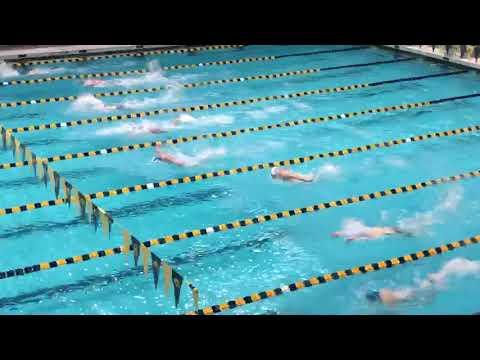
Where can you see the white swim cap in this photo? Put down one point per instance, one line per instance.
(274, 171)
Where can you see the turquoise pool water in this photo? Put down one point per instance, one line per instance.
(236, 263)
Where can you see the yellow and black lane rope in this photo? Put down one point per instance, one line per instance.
(239, 223)
(337, 275)
(167, 68)
(88, 210)
(93, 213)
(132, 53)
(195, 84)
(122, 117)
(230, 133)
(241, 170)
(73, 77)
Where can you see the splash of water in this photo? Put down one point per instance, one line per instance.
(352, 229)
(327, 171)
(263, 114)
(45, 71)
(187, 119)
(6, 70)
(155, 75)
(420, 221)
(202, 156)
(302, 106)
(89, 103)
(457, 267)
(172, 95)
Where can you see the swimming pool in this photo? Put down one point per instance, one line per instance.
(232, 263)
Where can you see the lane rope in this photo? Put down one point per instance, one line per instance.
(229, 133)
(132, 53)
(92, 213)
(337, 275)
(239, 223)
(243, 169)
(87, 209)
(122, 117)
(271, 76)
(168, 68)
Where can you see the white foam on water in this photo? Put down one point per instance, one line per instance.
(6, 70)
(455, 268)
(271, 144)
(352, 228)
(154, 66)
(171, 95)
(301, 106)
(45, 71)
(327, 171)
(263, 114)
(396, 161)
(421, 221)
(202, 156)
(155, 75)
(144, 127)
(89, 103)
(189, 120)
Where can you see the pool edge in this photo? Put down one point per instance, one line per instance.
(447, 59)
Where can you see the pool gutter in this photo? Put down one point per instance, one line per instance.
(428, 53)
(41, 52)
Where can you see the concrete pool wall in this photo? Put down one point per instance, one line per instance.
(438, 54)
(16, 52)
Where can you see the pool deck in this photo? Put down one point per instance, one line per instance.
(16, 52)
(438, 55)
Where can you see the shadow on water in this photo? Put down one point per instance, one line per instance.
(72, 174)
(45, 142)
(126, 211)
(105, 280)
(21, 116)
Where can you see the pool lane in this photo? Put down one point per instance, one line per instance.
(270, 249)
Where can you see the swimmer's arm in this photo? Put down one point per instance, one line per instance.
(301, 177)
(296, 176)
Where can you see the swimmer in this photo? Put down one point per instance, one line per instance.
(288, 175)
(390, 297)
(356, 230)
(137, 129)
(434, 281)
(188, 161)
(94, 82)
(168, 158)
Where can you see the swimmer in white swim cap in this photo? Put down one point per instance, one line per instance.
(288, 175)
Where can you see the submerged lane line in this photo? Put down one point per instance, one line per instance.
(230, 133)
(241, 170)
(337, 275)
(169, 67)
(131, 53)
(270, 76)
(193, 108)
(238, 223)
